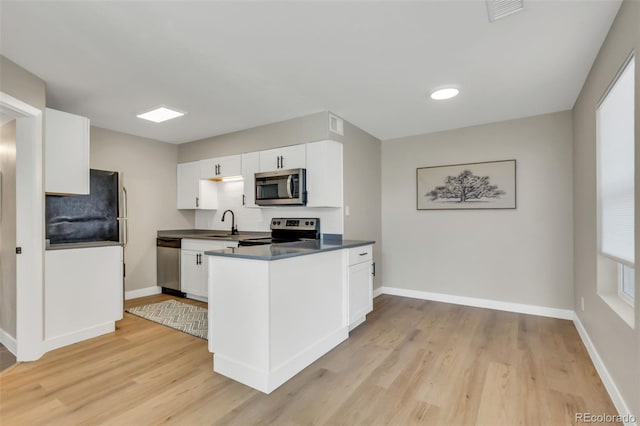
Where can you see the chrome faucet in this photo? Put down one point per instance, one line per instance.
(234, 228)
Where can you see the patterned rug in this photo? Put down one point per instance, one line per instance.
(187, 318)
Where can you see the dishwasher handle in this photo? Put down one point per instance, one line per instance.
(169, 242)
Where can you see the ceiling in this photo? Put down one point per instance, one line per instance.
(236, 65)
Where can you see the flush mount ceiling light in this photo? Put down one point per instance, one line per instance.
(160, 114)
(446, 93)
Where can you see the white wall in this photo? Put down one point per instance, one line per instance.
(521, 256)
(259, 219)
(617, 343)
(149, 174)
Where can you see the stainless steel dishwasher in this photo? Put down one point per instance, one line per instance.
(168, 263)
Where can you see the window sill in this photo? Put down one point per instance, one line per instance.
(620, 307)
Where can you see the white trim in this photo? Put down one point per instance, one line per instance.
(29, 228)
(142, 292)
(17, 106)
(607, 380)
(8, 341)
(198, 298)
(79, 336)
(482, 303)
(377, 292)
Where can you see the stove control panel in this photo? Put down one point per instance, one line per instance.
(298, 223)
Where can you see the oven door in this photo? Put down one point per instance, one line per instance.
(281, 187)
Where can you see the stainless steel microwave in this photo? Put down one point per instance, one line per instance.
(281, 188)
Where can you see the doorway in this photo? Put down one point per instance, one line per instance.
(25, 253)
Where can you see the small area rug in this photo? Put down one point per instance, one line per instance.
(187, 318)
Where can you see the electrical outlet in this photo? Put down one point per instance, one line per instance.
(582, 303)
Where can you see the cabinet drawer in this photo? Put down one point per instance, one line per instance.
(360, 254)
(204, 245)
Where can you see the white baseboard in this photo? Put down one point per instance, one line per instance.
(543, 311)
(78, 336)
(607, 380)
(9, 342)
(142, 292)
(377, 292)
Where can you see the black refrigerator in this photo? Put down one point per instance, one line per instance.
(97, 217)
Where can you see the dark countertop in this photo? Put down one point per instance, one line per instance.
(287, 250)
(211, 234)
(92, 244)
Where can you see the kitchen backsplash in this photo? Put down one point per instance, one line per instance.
(258, 219)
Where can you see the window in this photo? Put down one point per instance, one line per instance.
(626, 286)
(616, 170)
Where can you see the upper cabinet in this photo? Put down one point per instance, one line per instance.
(193, 192)
(66, 146)
(250, 166)
(197, 187)
(324, 174)
(287, 157)
(222, 167)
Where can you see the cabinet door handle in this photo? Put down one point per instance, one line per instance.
(244, 199)
(197, 202)
(364, 254)
(278, 162)
(373, 272)
(281, 162)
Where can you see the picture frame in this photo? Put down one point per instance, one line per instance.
(467, 186)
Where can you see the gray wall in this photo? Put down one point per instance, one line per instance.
(149, 174)
(523, 255)
(8, 229)
(361, 157)
(617, 343)
(21, 84)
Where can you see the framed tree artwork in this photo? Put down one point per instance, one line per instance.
(488, 185)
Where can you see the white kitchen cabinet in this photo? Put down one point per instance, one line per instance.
(66, 153)
(83, 293)
(324, 174)
(360, 284)
(192, 191)
(250, 166)
(194, 266)
(286, 157)
(221, 167)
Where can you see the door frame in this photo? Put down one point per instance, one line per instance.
(29, 227)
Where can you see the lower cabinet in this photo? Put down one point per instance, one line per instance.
(360, 284)
(193, 265)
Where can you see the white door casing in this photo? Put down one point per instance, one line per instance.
(29, 227)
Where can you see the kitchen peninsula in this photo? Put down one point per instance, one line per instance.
(275, 309)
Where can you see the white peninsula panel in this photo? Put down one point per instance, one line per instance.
(268, 320)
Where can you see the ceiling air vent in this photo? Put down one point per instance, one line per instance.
(336, 125)
(498, 9)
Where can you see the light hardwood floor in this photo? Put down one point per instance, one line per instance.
(412, 362)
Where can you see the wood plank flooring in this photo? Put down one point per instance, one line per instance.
(412, 362)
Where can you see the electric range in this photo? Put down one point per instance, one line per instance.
(286, 230)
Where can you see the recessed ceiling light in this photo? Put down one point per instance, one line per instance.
(160, 114)
(447, 93)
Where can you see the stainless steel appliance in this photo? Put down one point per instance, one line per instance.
(281, 188)
(100, 216)
(168, 263)
(286, 230)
